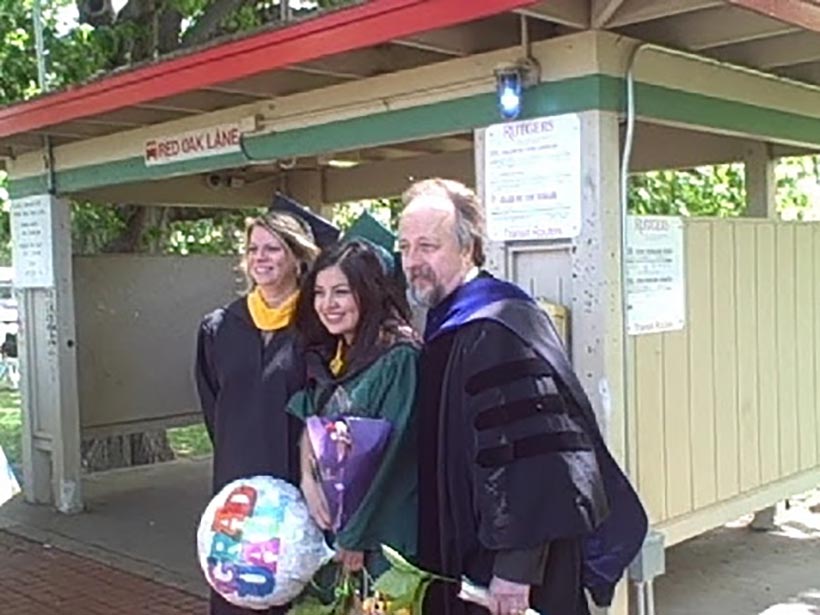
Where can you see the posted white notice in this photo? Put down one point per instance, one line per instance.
(532, 179)
(31, 242)
(655, 282)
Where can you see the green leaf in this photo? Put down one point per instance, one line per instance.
(398, 561)
(418, 599)
(311, 605)
(400, 586)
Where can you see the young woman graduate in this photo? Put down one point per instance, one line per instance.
(249, 363)
(361, 357)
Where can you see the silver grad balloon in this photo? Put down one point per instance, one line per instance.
(257, 543)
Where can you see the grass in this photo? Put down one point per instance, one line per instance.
(190, 441)
(10, 424)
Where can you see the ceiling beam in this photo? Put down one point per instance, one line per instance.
(709, 28)
(111, 123)
(602, 11)
(59, 132)
(810, 73)
(802, 13)
(153, 107)
(775, 52)
(500, 32)
(369, 62)
(638, 11)
(252, 96)
(422, 44)
(310, 69)
(571, 13)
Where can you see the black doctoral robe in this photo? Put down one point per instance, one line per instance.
(244, 385)
(515, 479)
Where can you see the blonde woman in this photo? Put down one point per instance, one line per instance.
(249, 363)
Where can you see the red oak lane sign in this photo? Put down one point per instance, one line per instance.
(208, 141)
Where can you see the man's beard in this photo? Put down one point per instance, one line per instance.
(428, 298)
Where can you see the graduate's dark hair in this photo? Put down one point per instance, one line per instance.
(384, 314)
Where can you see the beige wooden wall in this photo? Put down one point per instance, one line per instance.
(731, 405)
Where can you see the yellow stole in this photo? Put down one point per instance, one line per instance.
(270, 318)
(337, 363)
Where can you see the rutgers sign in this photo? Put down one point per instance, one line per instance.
(200, 143)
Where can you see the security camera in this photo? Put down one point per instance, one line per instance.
(214, 181)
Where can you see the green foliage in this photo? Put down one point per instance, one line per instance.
(190, 441)
(720, 190)
(5, 223)
(385, 211)
(798, 188)
(703, 191)
(10, 425)
(311, 605)
(221, 233)
(342, 597)
(93, 226)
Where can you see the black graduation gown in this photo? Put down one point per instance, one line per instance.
(512, 457)
(244, 386)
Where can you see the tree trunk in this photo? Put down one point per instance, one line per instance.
(125, 451)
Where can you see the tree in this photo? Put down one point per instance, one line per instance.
(720, 190)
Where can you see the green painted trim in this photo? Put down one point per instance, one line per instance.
(661, 103)
(573, 95)
(448, 117)
(119, 172)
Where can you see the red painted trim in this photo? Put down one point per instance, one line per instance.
(365, 25)
(802, 13)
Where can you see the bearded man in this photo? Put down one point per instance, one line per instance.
(518, 491)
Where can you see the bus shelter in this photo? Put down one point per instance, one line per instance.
(698, 340)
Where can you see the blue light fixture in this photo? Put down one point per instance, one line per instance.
(510, 82)
(509, 88)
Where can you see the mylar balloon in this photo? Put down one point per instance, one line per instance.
(258, 545)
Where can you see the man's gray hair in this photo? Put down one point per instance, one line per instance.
(469, 215)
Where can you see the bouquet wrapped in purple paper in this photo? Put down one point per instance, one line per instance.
(348, 452)
(359, 452)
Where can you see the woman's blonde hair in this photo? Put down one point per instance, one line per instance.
(292, 231)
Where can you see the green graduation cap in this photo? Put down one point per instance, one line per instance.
(370, 229)
(367, 227)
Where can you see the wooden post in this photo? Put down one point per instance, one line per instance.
(51, 416)
(597, 314)
(761, 183)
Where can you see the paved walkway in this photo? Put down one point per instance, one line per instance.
(36, 579)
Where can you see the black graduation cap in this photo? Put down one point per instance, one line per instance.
(324, 232)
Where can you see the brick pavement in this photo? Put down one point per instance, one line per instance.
(40, 580)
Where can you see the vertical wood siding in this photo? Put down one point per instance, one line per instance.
(731, 404)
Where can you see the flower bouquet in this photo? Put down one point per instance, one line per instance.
(348, 450)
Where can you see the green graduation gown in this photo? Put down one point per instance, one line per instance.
(384, 388)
